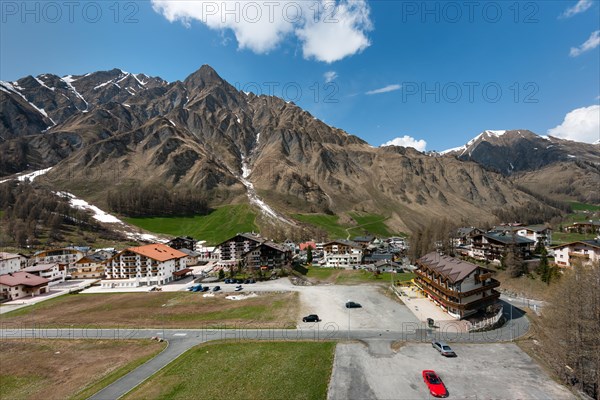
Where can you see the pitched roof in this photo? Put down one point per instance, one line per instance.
(275, 246)
(97, 257)
(40, 267)
(158, 252)
(345, 242)
(22, 278)
(8, 256)
(367, 238)
(593, 223)
(593, 243)
(249, 236)
(453, 269)
(508, 238)
(189, 252)
(305, 245)
(536, 228)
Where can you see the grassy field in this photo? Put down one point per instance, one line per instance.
(352, 277)
(247, 370)
(62, 369)
(372, 223)
(584, 207)
(221, 224)
(160, 310)
(568, 237)
(328, 223)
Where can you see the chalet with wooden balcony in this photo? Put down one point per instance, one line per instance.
(460, 288)
(232, 251)
(268, 256)
(493, 246)
(342, 254)
(152, 264)
(584, 252)
(591, 226)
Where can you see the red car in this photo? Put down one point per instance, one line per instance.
(434, 383)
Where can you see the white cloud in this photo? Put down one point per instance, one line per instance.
(330, 76)
(407, 141)
(339, 32)
(329, 30)
(581, 6)
(581, 125)
(588, 45)
(385, 89)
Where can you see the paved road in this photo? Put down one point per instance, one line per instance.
(181, 340)
(524, 302)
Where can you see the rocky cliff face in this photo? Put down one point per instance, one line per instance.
(113, 128)
(510, 152)
(555, 168)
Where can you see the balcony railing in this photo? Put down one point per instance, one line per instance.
(455, 293)
(466, 306)
(576, 254)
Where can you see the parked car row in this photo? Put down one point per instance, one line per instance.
(198, 288)
(240, 281)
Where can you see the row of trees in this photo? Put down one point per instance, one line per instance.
(436, 234)
(530, 213)
(156, 201)
(570, 328)
(32, 214)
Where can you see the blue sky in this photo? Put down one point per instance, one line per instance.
(451, 71)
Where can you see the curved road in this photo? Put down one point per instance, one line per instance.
(181, 340)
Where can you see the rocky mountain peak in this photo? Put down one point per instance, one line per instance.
(204, 77)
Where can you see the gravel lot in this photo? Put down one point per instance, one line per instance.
(490, 371)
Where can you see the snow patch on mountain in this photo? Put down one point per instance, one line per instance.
(8, 87)
(69, 81)
(495, 133)
(38, 80)
(104, 217)
(98, 214)
(30, 177)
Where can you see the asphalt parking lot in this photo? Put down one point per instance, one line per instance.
(481, 371)
(378, 312)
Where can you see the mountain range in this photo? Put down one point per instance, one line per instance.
(112, 129)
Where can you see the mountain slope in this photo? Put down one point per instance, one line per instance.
(117, 129)
(522, 150)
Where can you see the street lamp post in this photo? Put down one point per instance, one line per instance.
(348, 321)
(511, 322)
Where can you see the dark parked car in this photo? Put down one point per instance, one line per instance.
(205, 288)
(443, 348)
(227, 280)
(311, 318)
(247, 281)
(238, 281)
(251, 281)
(352, 304)
(216, 288)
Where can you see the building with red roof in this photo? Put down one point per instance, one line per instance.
(152, 264)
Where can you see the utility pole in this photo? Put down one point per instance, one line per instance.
(348, 321)
(511, 322)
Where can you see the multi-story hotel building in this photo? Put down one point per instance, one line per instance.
(342, 254)
(153, 264)
(460, 288)
(232, 251)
